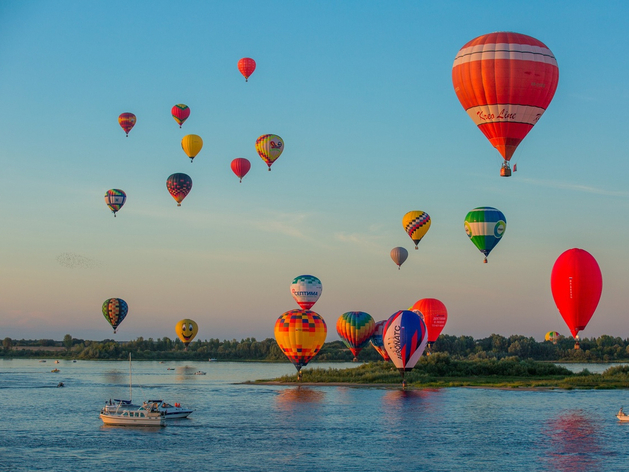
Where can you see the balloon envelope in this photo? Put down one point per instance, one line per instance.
(191, 145)
(576, 283)
(246, 66)
(240, 167)
(179, 186)
(115, 198)
(377, 341)
(186, 329)
(180, 113)
(552, 336)
(269, 148)
(416, 224)
(306, 290)
(399, 255)
(115, 310)
(127, 121)
(405, 338)
(355, 329)
(505, 81)
(485, 227)
(434, 314)
(300, 335)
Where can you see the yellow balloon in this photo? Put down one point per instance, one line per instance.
(186, 330)
(416, 224)
(300, 335)
(191, 145)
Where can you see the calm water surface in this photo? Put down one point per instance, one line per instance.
(277, 428)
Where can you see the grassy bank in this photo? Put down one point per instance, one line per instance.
(441, 371)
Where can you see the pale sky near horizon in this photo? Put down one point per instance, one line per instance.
(361, 93)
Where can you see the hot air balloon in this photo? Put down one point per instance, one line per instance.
(240, 167)
(377, 341)
(505, 81)
(485, 227)
(399, 255)
(180, 113)
(269, 147)
(300, 335)
(191, 145)
(552, 336)
(434, 314)
(114, 199)
(405, 337)
(246, 66)
(186, 330)
(416, 224)
(115, 310)
(355, 329)
(127, 121)
(576, 283)
(306, 290)
(179, 186)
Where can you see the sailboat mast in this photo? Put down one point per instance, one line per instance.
(130, 381)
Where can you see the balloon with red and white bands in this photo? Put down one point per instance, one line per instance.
(576, 283)
(405, 338)
(505, 81)
(377, 341)
(240, 167)
(306, 290)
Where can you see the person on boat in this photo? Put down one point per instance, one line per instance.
(621, 413)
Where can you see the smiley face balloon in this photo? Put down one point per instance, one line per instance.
(186, 330)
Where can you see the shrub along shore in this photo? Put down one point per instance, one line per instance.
(440, 370)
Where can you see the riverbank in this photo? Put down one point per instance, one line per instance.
(443, 372)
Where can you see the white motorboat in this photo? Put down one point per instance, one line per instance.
(170, 411)
(622, 416)
(199, 372)
(130, 417)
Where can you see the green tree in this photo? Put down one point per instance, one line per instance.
(7, 344)
(67, 341)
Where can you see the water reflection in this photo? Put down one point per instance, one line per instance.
(574, 442)
(288, 398)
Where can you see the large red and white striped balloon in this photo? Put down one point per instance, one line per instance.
(505, 81)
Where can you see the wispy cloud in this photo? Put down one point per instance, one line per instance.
(576, 187)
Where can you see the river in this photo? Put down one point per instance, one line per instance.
(245, 427)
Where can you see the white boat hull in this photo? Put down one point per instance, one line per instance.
(622, 417)
(133, 418)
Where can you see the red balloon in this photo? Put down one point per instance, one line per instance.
(246, 66)
(505, 81)
(576, 283)
(435, 316)
(179, 186)
(127, 121)
(241, 166)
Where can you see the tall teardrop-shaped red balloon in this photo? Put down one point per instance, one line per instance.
(576, 283)
(505, 81)
(246, 66)
(240, 167)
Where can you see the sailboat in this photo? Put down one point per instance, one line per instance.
(124, 413)
(116, 403)
(167, 410)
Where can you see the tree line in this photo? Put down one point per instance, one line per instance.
(602, 349)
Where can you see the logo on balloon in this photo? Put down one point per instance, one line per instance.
(499, 229)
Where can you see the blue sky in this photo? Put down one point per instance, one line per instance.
(361, 93)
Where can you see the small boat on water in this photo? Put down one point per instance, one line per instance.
(199, 372)
(55, 370)
(129, 417)
(170, 411)
(170, 368)
(56, 362)
(622, 416)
